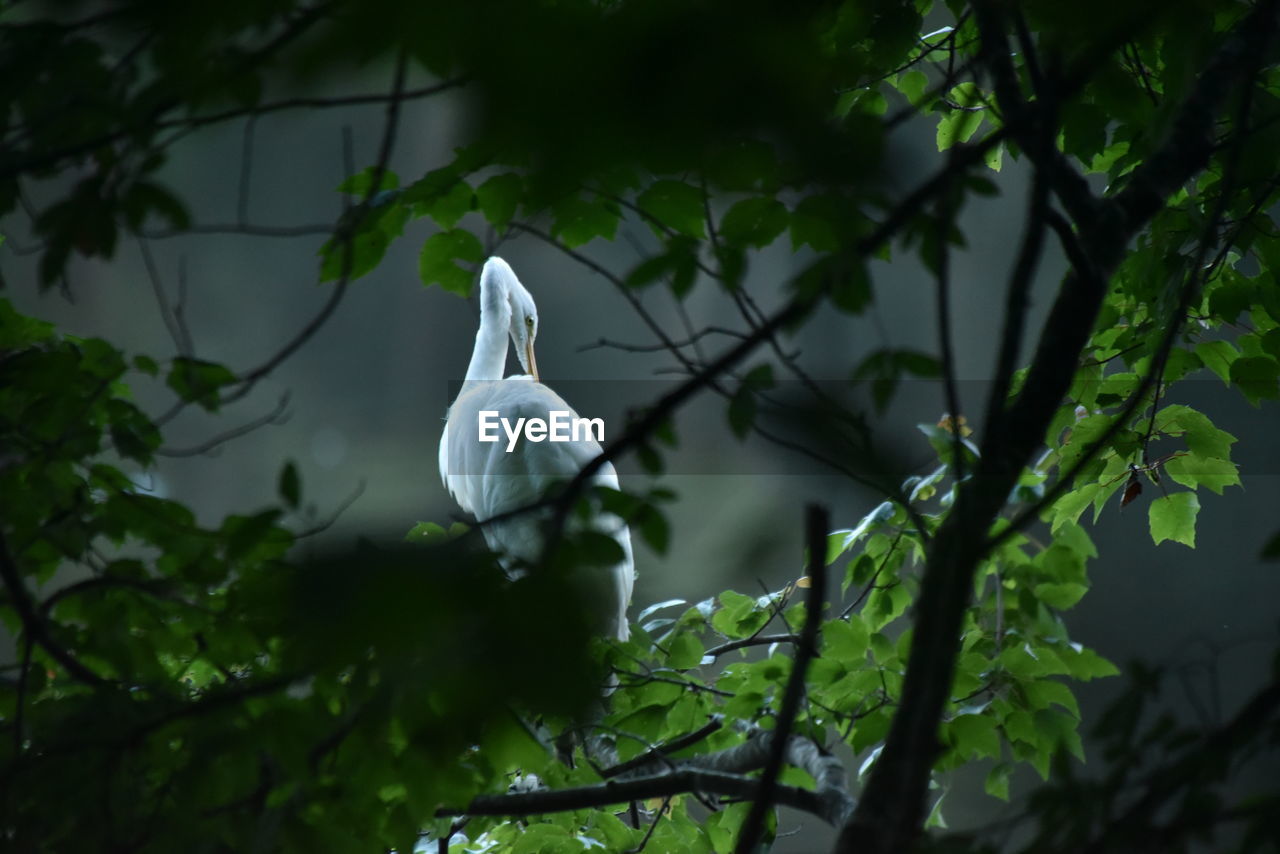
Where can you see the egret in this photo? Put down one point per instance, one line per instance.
(487, 478)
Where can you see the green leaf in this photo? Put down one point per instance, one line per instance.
(1173, 517)
(912, 85)
(676, 205)
(498, 198)
(1270, 342)
(754, 222)
(1067, 509)
(963, 120)
(1232, 297)
(358, 184)
(1217, 357)
(198, 381)
(1084, 130)
(994, 159)
(1062, 563)
(851, 292)
(845, 641)
(1060, 727)
(742, 411)
(426, 532)
(437, 261)
(722, 827)
(825, 221)
(743, 165)
(1202, 437)
(1060, 596)
(358, 251)
(448, 206)
(997, 783)
(576, 220)
(1041, 693)
(737, 616)
(1085, 433)
(975, 736)
(679, 265)
(919, 364)
(686, 651)
(742, 406)
(1193, 471)
(133, 433)
(654, 528)
(146, 365)
(1257, 377)
(18, 331)
(144, 197)
(290, 486)
(1085, 664)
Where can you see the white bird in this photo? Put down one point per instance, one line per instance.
(487, 480)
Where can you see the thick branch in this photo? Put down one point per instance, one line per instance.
(612, 792)
(720, 773)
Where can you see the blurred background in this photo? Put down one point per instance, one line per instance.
(367, 395)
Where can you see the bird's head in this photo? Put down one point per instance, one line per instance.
(523, 317)
(524, 328)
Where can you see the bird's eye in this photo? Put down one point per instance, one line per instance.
(528, 321)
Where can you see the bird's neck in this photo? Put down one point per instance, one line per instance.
(489, 357)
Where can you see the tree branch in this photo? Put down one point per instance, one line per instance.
(616, 792)
(1015, 305)
(312, 103)
(817, 524)
(720, 773)
(942, 299)
(275, 416)
(34, 625)
(755, 640)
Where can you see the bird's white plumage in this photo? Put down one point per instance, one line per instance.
(484, 478)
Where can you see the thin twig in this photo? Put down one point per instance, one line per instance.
(171, 322)
(1016, 301)
(333, 517)
(246, 170)
(816, 527)
(653, 825)
(945, 222)
(246, 229)
(690, 341)
(754, 640)
(275, 416)
(661, 751)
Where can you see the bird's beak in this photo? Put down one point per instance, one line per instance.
(533, 363)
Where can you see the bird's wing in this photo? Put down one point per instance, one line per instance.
(487, 480)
